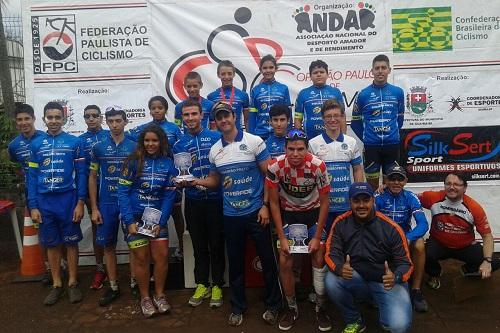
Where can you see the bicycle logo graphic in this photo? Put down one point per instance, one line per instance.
(192, 60)
(422, 29)
(58, 45)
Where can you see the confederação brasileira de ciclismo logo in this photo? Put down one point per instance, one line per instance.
(422, 29)
(337, 27)
(54, 44)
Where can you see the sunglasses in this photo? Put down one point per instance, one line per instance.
(91, 115)
(296, 134)
(396, 178)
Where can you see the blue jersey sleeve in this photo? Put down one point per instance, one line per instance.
(357, 118)
(81, 170)
(401, 108)
(168, 198)
(125, 183)
(33, 171)
(421, 221)
(299, 107)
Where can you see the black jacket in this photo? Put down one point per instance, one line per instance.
(369, 245)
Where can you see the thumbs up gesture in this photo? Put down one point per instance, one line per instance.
(347, 269)
(388, 279)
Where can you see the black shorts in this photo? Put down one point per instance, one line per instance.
(380, 156)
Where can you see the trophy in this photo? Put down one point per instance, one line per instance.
(298, 234)
(150, 219)
(183, 162)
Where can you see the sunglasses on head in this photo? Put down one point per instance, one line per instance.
(296, 134)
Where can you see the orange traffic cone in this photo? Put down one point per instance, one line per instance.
(32, 267)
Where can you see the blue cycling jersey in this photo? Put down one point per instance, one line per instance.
(107, 160)
(308, 107)
(400, 208)
(198, 145)
(242, 181)
(19, 150)
(56, 164)
(171, 130)
(275, 145)
(89, 139)
(152, 188)
(339, 156)
(235, 97)
(378, 114)
(206, 110)
(262, 98)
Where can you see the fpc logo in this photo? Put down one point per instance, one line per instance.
(54, 44)
(422, 29)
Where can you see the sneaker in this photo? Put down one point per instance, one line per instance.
(47, 278)
(434, 283)
(74, 294)
(53, 296)
(418, 301)
(216, 299)
(324, 322)
(161, 304)
(199, 295)
(109, 296)
(99, 278)
(235, 319)
(134, 290)
(271, 317)
(288, 319)
(356, 327)
(147, 307)
(178, 254)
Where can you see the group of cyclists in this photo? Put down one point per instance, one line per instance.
(252, 167)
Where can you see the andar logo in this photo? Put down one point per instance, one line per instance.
(422, 29)
(54, 44)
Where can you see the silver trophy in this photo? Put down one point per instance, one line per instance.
(298, 234)
(149, 220)
(183, 162)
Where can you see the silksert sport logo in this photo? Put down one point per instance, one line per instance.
(54, 44)
(422, 29)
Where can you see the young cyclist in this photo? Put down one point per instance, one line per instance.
(107, 158)
(56, 194)
(263, 96)
(193, 85)
(310, 100)
(203, 208)
(377, 118)
(158, 107)
(146, 182)
(340, 154)
(298, 195)
(236, 98)
(95, 133)
(279, 116)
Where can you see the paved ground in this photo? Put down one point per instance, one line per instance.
(21, 307)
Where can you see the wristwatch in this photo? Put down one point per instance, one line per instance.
(487, 259)
(265, 203)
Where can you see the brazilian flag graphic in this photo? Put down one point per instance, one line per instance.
(422, 29)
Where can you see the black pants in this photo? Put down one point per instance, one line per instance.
(471, 255)
(236, 228)
(205, 225)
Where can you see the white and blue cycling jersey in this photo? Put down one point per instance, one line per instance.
(56, 165)
(88, 140)
(275, 145)
(242, 181)
(308, 107)
(206, 110)
(339, 156)
(378, 115)
(262, 98)
(198, 146)
(400, 208)
(238, 99)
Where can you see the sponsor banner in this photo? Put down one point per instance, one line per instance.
(450, 99)
(133, 98)
(430, 154)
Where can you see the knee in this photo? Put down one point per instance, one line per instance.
(332, 283)
(399, 325)
(419, 246)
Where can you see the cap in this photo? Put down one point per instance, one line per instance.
(221, 106)
(396, 170)
(360, 188)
